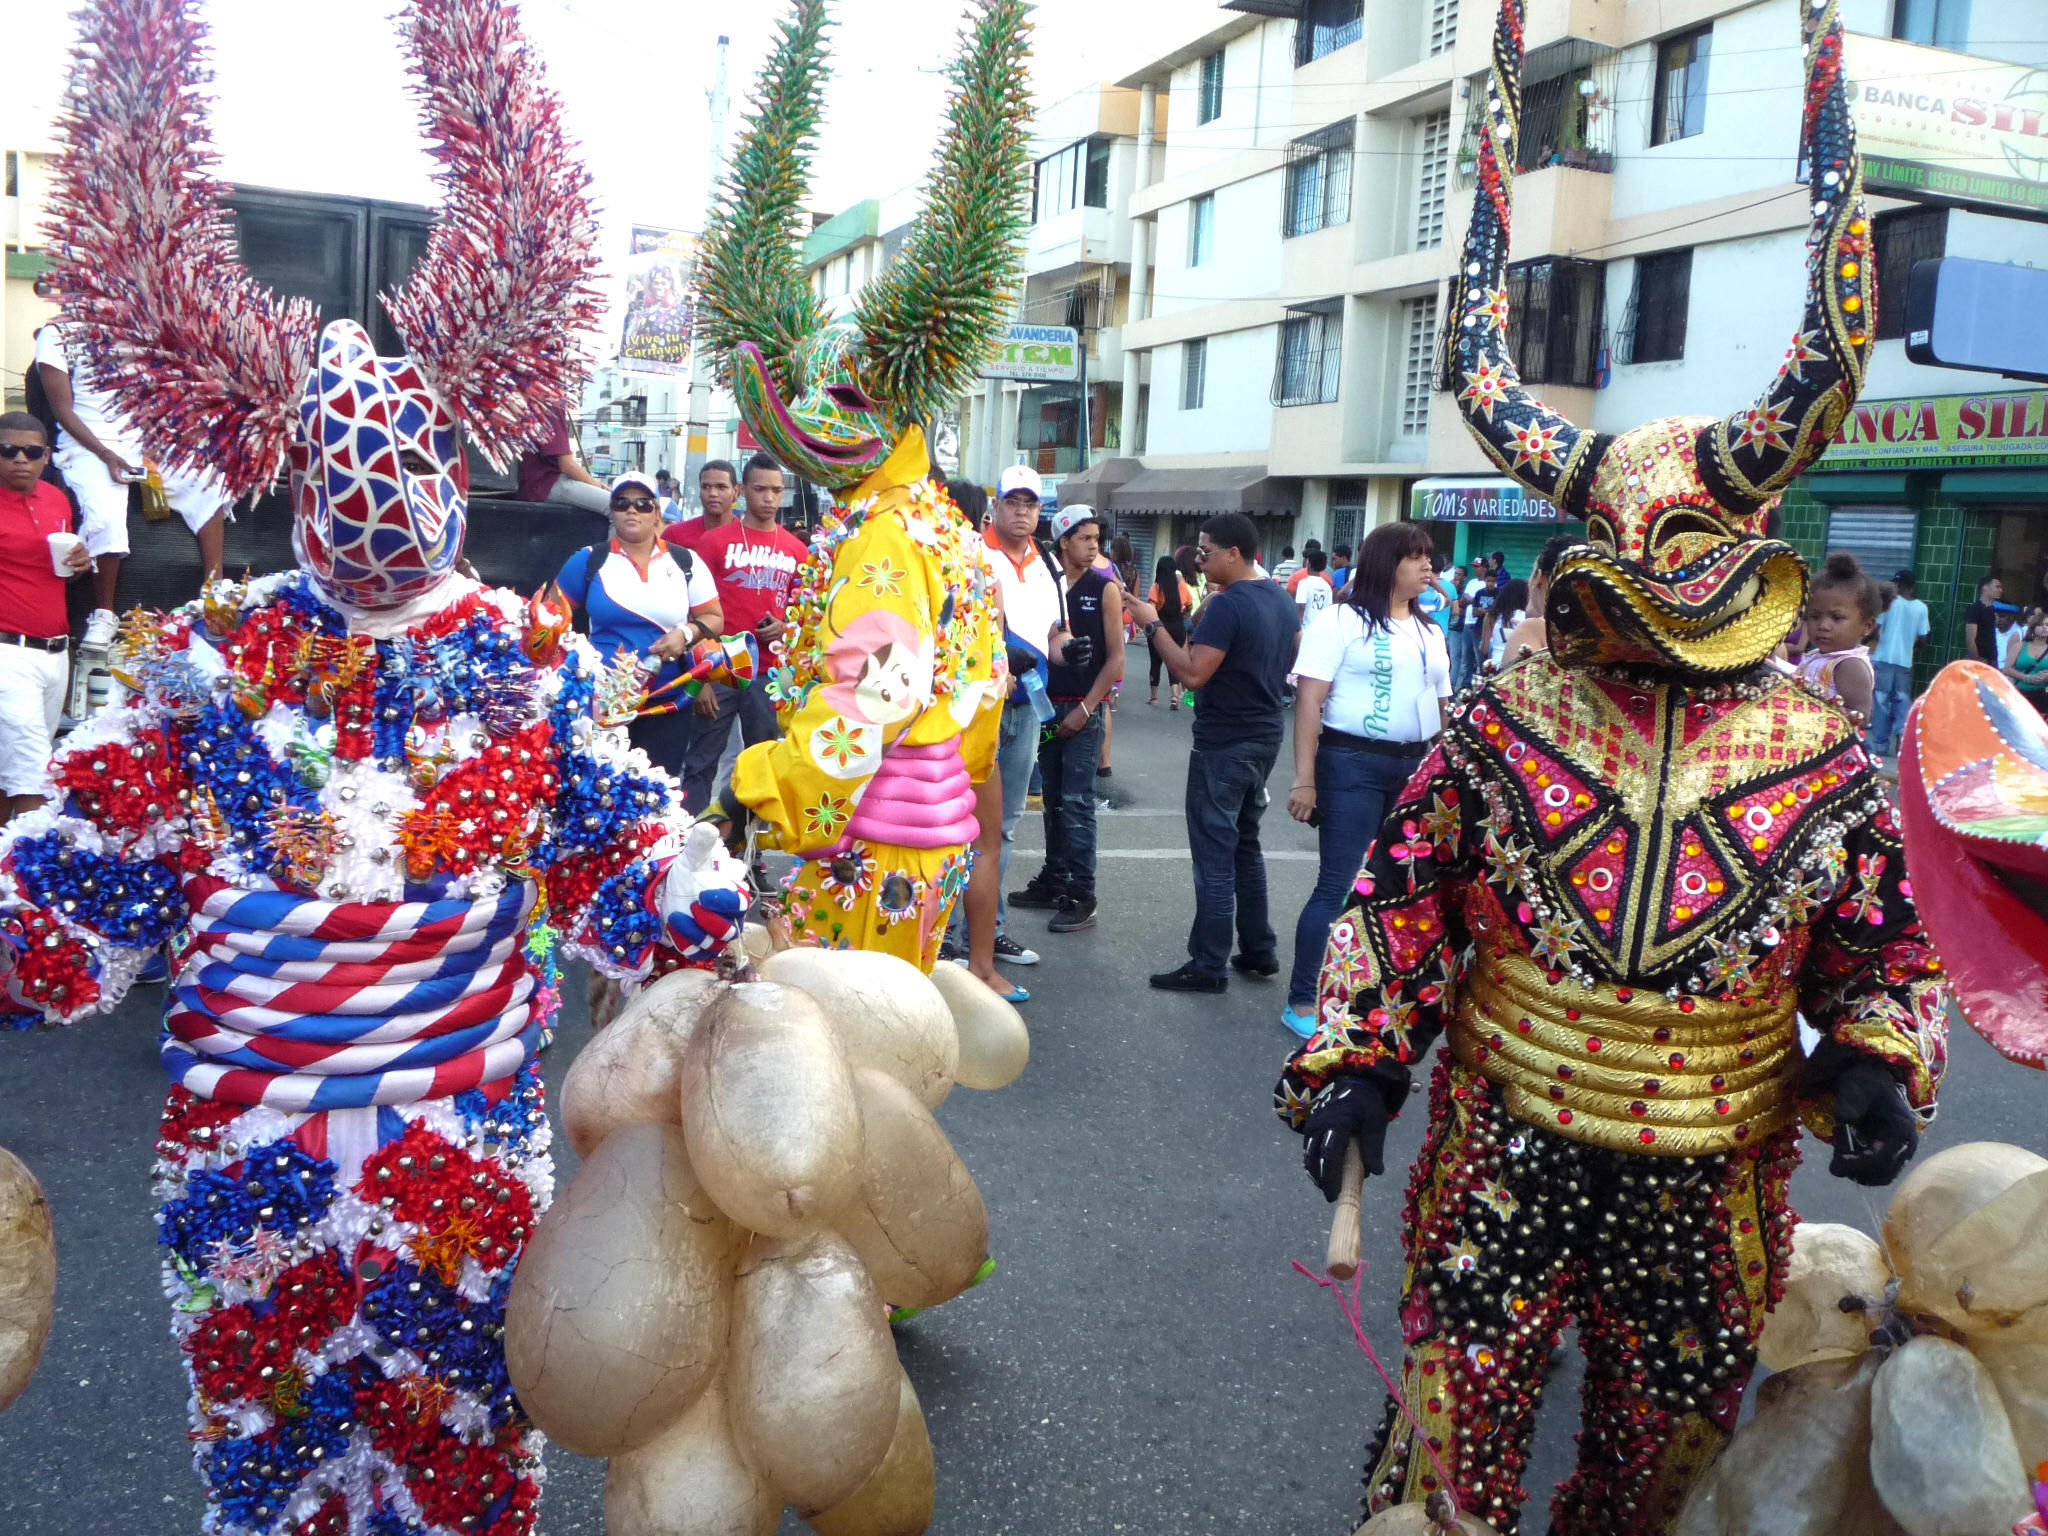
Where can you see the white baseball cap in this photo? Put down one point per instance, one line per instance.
(1020, 477)
(1067, 519)
(634, 477)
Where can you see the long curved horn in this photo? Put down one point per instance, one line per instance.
(1752, 456)
(494, 313)
(205, 361)
(1525, 437)
(750, 284)
(929, 322)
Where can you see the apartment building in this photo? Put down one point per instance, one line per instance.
(24, 183)
(1293, 230)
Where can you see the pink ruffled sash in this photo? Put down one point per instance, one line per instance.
(920, 797)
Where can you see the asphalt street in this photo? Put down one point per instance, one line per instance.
(1144, 1361)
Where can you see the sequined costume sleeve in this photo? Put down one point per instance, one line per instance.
(89, 883)
(1872, 983)
(1391, 967)
(633, 887)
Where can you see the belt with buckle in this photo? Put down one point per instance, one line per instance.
(58, 644)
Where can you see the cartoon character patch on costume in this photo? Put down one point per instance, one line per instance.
(1627, 868)
(884, 670)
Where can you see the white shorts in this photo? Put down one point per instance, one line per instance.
(103, 501)
(31, 701)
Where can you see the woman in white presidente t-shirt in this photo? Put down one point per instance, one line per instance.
(1370, 683)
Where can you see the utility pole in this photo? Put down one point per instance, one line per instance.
(697, 446)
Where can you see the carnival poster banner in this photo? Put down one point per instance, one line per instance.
(661, 274)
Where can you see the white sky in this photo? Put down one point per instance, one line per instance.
(310, 93)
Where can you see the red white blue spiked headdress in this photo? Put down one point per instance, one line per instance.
(219, 373)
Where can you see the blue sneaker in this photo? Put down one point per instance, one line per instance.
(1301, 1024)
(155, 970)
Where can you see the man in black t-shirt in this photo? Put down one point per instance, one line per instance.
(1980, 622)
(1237, 659)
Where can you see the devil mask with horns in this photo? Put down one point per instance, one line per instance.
(219, 374)
(1678, 571)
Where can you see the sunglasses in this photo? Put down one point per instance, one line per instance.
(635, 504)
(1203, 554)
(30, 451)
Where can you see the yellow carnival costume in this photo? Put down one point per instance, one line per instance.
(892, 679)
(1628, 865)
(889, 711)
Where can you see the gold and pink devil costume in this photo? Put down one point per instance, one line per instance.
(362, 805)
(1626, 868)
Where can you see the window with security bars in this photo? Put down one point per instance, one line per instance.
(1194, 373)
(1324, 26)
(1417, 367)
(1209, 103)
(1319, 180)
(1904, 236)
(1306, 371)
(1653, 330)
(1432, 179)
(1443, 25)
(1554, 315)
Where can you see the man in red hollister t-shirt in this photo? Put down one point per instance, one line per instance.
(754, 560)
(34, 628)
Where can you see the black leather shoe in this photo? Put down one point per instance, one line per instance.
(1188, 979)
(1265, 969)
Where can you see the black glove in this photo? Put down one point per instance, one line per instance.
(1350, 1109)
(1876, 1131)
(1080, 652)
(1020, 662)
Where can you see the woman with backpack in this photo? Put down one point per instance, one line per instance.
(642, 596)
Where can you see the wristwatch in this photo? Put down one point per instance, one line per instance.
(1150, 627)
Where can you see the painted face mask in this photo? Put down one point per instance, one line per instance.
(1678, 570)
(377, 481)
(831, 398)
(219, 374)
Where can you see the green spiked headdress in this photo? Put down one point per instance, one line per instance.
(830, 398)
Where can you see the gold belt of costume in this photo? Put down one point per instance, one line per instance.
(1629, 1070)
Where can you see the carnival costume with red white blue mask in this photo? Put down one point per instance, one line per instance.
(366, 804)
(889, 686)
(1630, 864)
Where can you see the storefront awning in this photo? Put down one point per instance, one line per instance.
(1245, 488)
(1478, 499)
(1095, 484)
(1995, 487)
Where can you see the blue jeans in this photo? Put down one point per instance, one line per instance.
(1226, 796)
(1067, 766)
(1893, 696)
(1464, 650)
(1016, 754)
(1353, 791)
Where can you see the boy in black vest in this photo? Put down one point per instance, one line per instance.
(1089, 663)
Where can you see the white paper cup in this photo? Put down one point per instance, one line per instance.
(61, 545)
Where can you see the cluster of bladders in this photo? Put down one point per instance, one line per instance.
(708, 1301)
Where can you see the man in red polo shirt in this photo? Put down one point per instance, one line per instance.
(37, 632)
